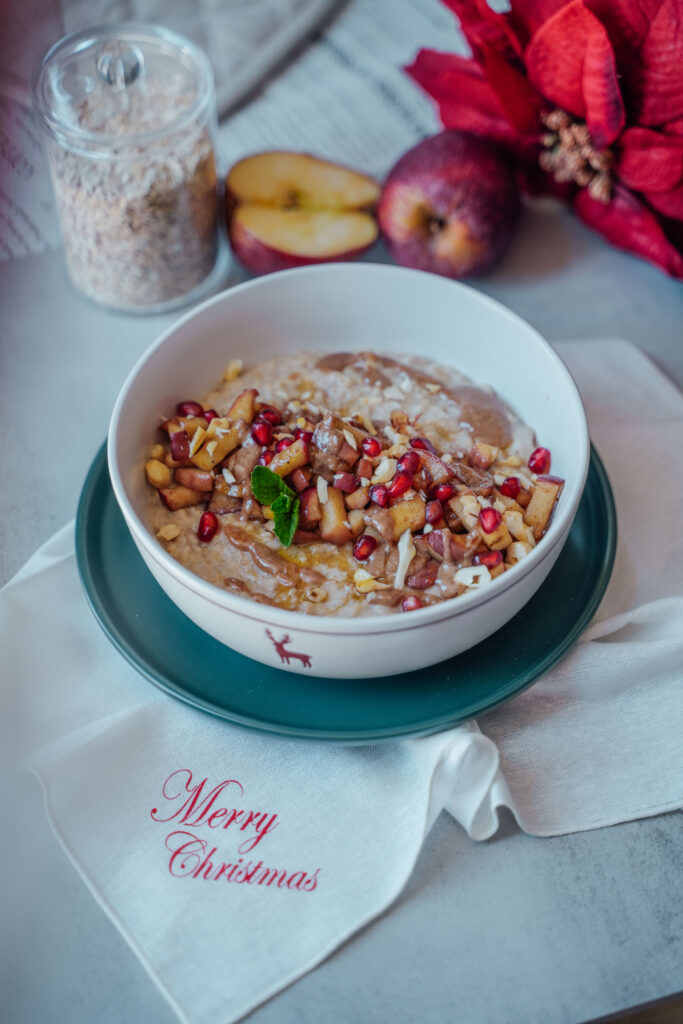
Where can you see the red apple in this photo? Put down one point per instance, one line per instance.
(450, 205)
(289, 209)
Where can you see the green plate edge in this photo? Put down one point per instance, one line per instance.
(597, 480)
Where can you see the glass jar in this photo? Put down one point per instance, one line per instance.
(129, 112)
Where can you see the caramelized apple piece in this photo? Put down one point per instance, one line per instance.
(335, 527)
(310, 512)
(195, 479)
(543, 500)
(439, 470)
(244, 406)
(158, 474)
(181, 497)
(285, 462)
(408, 515)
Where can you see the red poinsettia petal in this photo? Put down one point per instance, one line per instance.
(605, 115)
(656, 78)
(485, 28)
(464, 97)
(629, 224)
(668, 203)
(627, 23)
(527, 16)
(649, 161)
(570, 61)
(515, 93)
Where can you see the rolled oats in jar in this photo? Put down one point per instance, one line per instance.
(129, 112)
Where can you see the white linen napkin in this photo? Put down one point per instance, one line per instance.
(233, 863)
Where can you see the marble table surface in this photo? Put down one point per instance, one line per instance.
(544, 931)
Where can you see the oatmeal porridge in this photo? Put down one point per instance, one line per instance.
(348, 484)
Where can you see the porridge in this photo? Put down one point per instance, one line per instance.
(348, 484)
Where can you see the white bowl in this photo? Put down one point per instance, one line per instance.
(340, 307)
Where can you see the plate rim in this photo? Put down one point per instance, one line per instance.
(438, 724)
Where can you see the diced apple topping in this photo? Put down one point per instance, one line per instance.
(420, 520)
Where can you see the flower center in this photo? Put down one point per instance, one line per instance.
(569, 155)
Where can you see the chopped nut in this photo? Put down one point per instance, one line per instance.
(157, 451)
(432, 388)
(169, 532)
(228, 477)
(473, 576)
(406, 553)
(384, 471)
(316, 595)
(350, 439)
(233, 370)
(321, 485)
(365, 583)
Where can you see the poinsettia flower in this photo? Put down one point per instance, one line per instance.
(587, 96)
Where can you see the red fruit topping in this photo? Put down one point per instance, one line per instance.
(190, 409)
(488, 558)
(411, 603)
(270, 415)
(180, 446)
(266, 457)
(433, 512)
(284, 442)
(510, 487)
(371, 446)
(410, 462)
(490, 519)
(364, 547)
(380, 495)
(301, 478)
(210, 414)
(208, 526)
(305, 435)
(423, 444)
(443, 492)
(345, 482)
(401, 483)
(262, 432)
(539, 461)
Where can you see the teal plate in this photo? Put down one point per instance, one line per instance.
(162, 643)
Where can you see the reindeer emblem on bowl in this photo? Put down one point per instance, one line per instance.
(285, 655)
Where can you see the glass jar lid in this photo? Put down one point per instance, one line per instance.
(104, 88)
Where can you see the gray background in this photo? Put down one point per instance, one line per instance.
(553, 931)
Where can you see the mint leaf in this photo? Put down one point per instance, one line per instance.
(266, 485)
(286, 521)
(270, 489)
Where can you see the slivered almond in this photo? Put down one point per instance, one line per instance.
(321, 486)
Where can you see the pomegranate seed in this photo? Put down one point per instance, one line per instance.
(180, 446)
(303, 435)
(423, 444)
(284, 442)
(401, 483)
(510, 487)
(433, 512)
(270, 415)
(443, 492)
(364, 547)
(210, 414)
(208, 526)
(410, 462)
(371, 446)
(488, 558)
(380, 495)
(266, 457)
(345, 482)
(190, 409)
(490, 519)
(539, 461)
(262, 432)
(411, 603)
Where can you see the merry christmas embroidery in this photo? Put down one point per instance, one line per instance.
(198, 806)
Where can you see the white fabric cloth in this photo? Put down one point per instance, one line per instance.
(233, 863)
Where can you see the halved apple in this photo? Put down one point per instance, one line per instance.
(290, 209)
